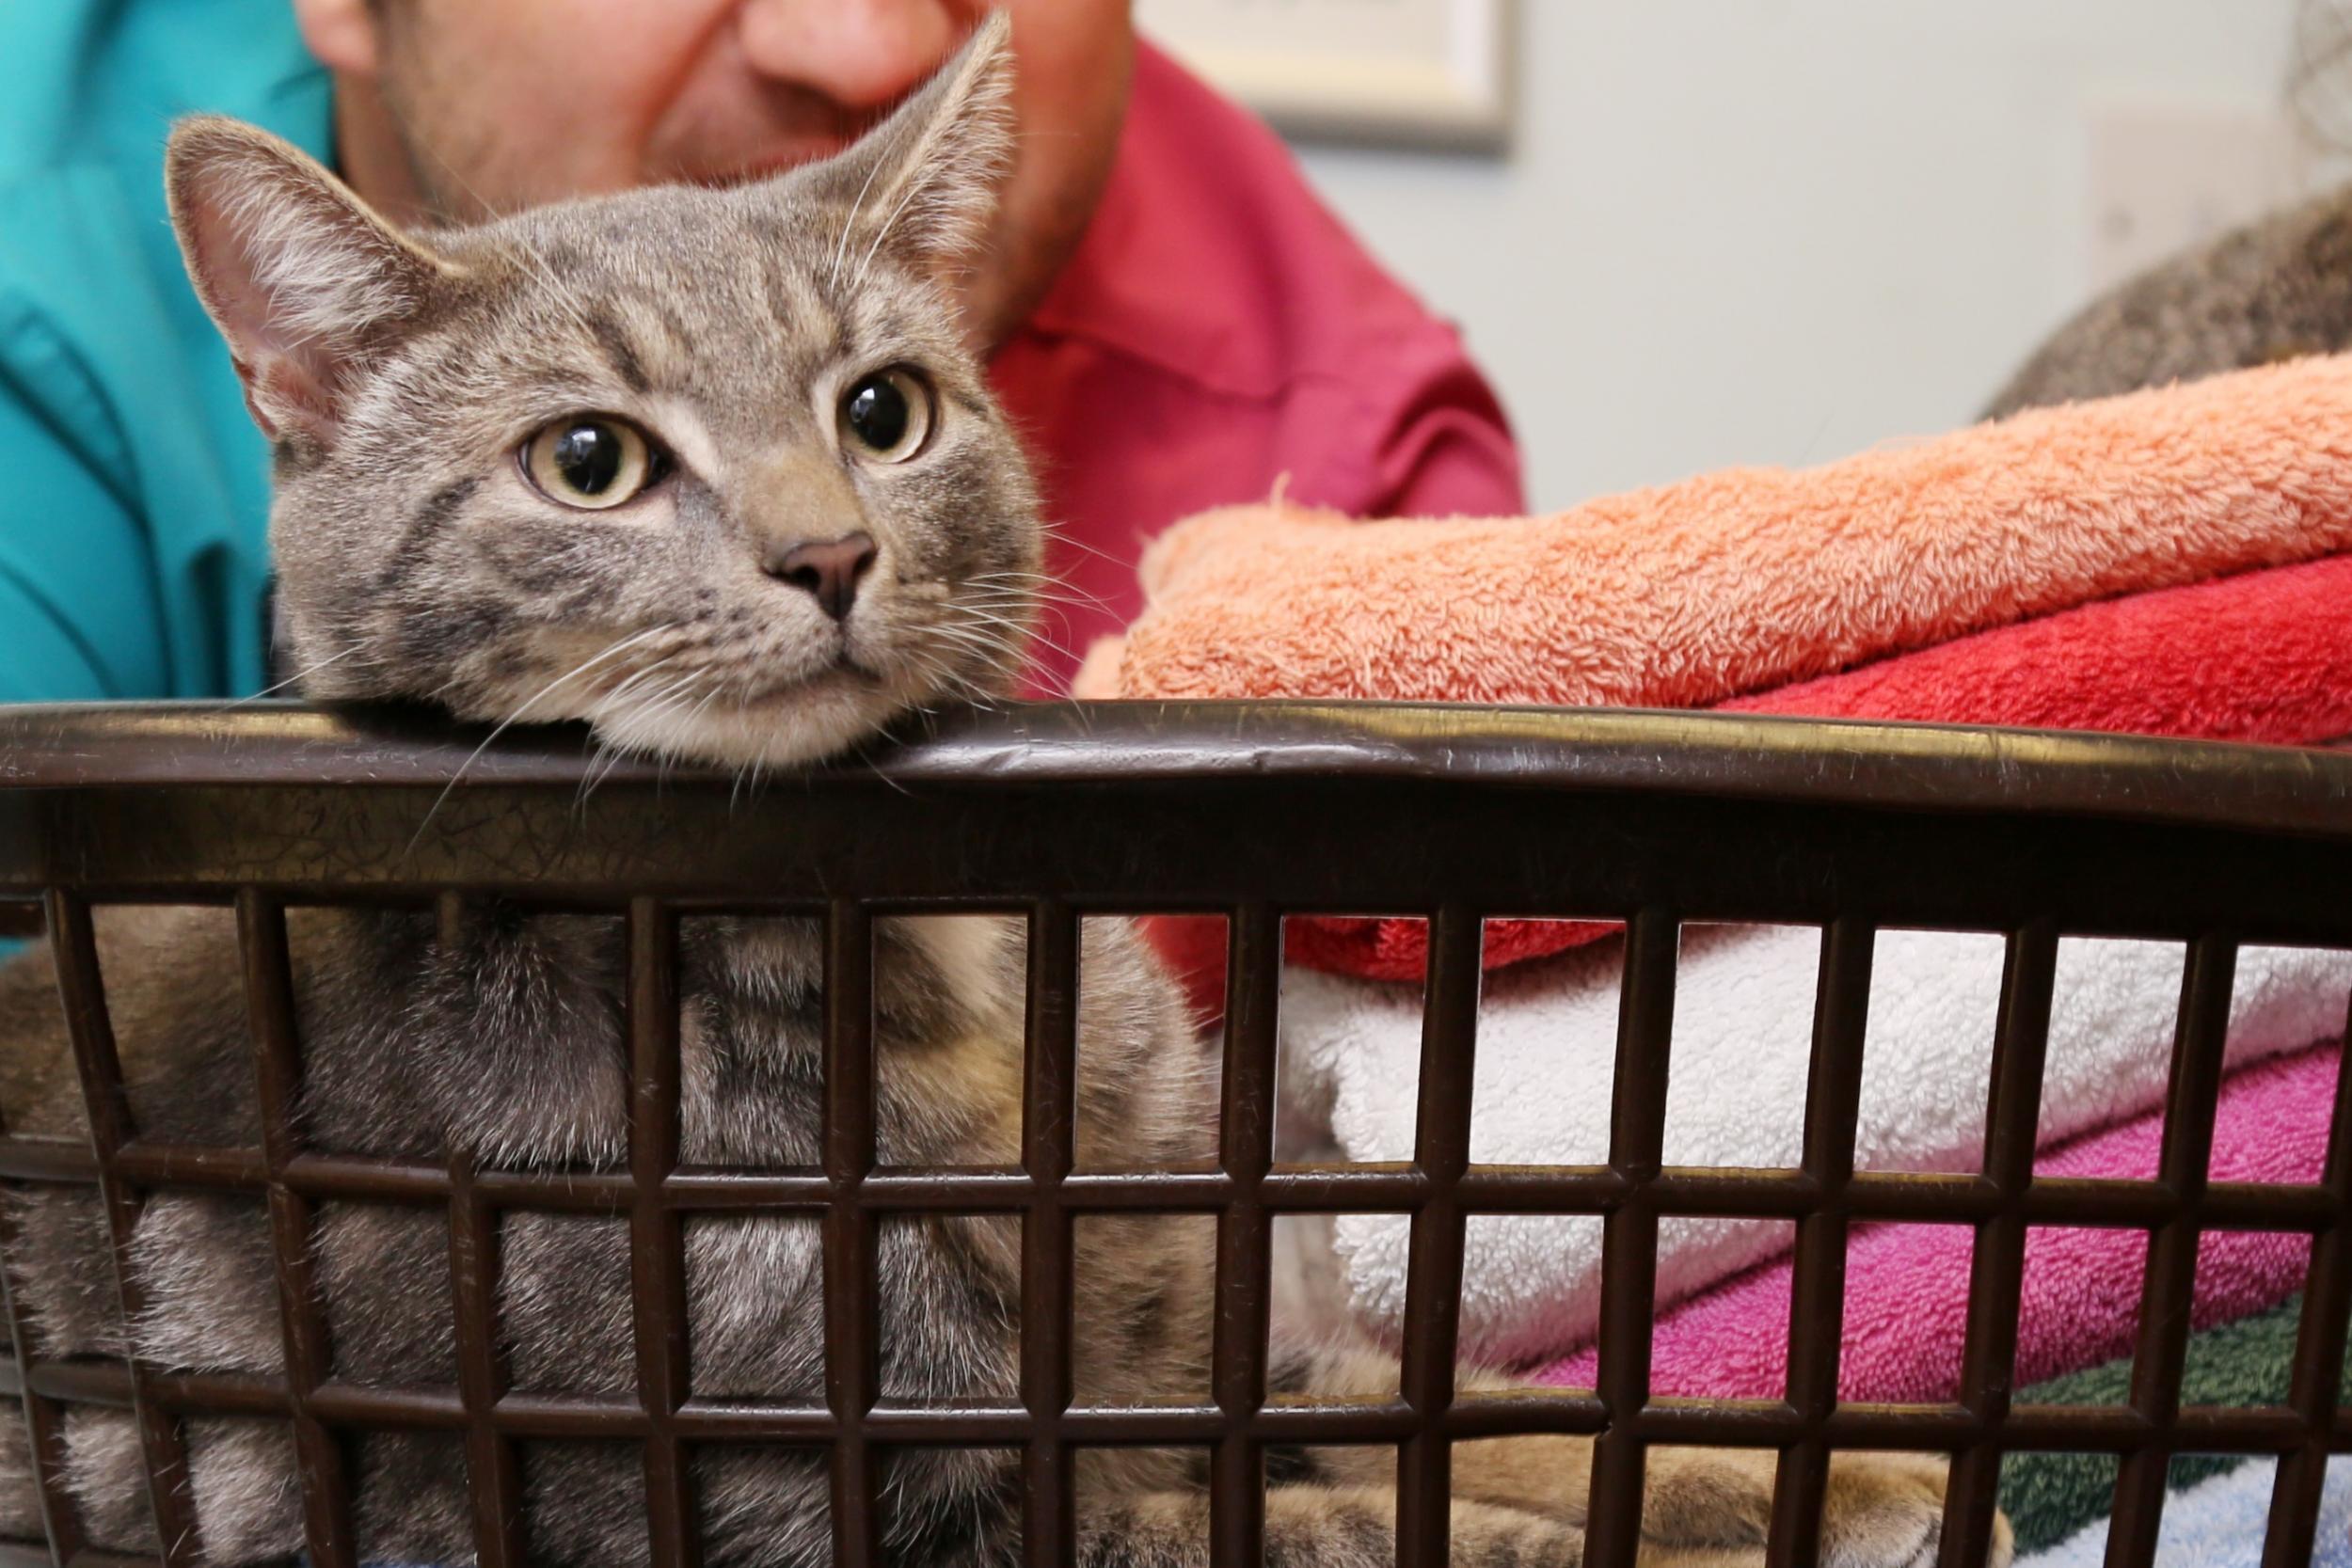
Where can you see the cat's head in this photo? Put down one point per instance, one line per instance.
(714, 470)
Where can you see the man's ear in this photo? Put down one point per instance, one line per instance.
(342, 35)
(304, 281)
(922, 185)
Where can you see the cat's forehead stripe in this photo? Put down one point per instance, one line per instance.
(800, 307)
(643, 342)
(613, 338)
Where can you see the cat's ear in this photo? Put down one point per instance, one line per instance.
(923, 185)
(304, 279)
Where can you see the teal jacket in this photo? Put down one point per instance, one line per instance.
(133, 558)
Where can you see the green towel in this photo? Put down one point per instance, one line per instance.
(2048, 1496)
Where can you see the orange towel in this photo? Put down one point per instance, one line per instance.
(1688, 593)
(2260, 657)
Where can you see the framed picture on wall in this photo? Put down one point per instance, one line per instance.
(1398, 72)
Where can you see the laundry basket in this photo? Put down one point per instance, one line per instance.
(1256, 812)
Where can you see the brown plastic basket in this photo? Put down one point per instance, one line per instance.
(1254, 812)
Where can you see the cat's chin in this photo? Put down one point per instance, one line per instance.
(809, 723)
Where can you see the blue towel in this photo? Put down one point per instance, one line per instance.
(2219, 1522)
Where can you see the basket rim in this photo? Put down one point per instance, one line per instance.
(1930, 766)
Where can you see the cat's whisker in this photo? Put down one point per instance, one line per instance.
(1011, 574)
(597, 717)
(508, 722)
(1043, 587)
(875, 768)
(1054, 532)
(301, 674)
(616, 755)
(971, 628)
(665, 703)
(606, 757)
(1060, 605)
(746, 782)
(621, 691)
(865, 266)
(598, 754)
(1013, 604)
(989, 650)
(996, 644)
(646, 713)
(842, 246)
(692, 719)
(968, 618)
(1009, 615)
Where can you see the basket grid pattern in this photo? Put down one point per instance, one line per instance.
(1439, 1188)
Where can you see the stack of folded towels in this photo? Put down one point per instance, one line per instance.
(2174, 563)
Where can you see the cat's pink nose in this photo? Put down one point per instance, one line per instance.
(828, 572)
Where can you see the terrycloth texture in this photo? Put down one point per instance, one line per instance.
(1742, 585)
(1907, 1286)
(2260, 656)
(2220, 1524)
(1732, 582)
(1741, 1030)
(2241, 1365)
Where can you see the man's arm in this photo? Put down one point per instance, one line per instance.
(78, 613)
(1447, 449)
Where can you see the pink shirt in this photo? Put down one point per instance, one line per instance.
(1216, 330)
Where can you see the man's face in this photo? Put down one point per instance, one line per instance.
(496, 105)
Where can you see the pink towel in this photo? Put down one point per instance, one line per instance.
(1907, 1286)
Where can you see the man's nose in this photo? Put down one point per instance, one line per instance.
(861, 54)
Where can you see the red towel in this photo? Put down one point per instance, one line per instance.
(2264, 655)
(1907, 1286)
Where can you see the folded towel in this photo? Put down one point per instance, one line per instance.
(1736, 581)
(2220, 1523)
(1742, 1025)
(2239, 1366)
(2260, 656)
(1746, 582)
(1907, 1286)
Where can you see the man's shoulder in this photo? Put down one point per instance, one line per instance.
(1213, 262)
(90, 282)
(104, 347)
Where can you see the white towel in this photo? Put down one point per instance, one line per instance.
(2221, 1522)
(1742, 1032)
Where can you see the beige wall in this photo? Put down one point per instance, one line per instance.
(1779, 230)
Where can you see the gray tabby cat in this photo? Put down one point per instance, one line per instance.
(2276, 289)
(715, 472)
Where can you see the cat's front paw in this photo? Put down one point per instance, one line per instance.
(1886, 1510)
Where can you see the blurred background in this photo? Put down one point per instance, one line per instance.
(1782, 231)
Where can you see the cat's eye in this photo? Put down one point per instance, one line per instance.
(886, 415)
(590, 459)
